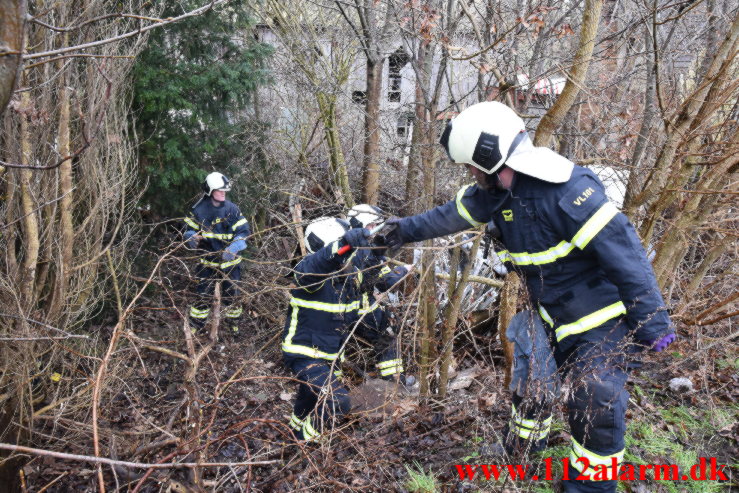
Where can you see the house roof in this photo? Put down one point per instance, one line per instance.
(544, 85)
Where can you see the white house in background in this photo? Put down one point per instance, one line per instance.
(397, 96)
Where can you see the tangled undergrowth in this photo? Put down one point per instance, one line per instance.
(244, 400)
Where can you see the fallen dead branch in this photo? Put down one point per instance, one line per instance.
(122, 463)
(699, 319)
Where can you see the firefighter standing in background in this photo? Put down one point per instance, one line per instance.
(376, 328)
(216, 226)
(587, 275)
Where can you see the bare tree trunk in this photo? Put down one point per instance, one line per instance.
(427, 319)
(65, 209)
(414, 159)
(655, 195)
(447, 324)
(721, 244)
(636, 176)
(484, 38)
(28, 211)
(10, 254)
(695, 211)
(428, 283)
(9, 468)
(296, 210)
(451, 312)
(421, 128)
(556, 114)
(371, 165)
(374, 38)
(12, 16)
(339, 174)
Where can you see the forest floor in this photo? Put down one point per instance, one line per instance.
(406, 446)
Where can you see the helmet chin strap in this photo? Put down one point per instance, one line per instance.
(494, 180)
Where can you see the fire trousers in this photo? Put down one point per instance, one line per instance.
(322, 399)
(595, 365)
(207, 276)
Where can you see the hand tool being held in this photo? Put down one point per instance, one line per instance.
(358, 238)
(381, 239)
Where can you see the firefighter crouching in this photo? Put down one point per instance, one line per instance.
(324, 307)
(216, 227)
(591, 287)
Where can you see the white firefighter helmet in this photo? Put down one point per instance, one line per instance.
(362, 215)
(490, 134)
(216, 181)
(323, 231)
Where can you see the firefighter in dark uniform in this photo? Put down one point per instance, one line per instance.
(324, 308)
(586, 273)
(376, 328)
(216, 227)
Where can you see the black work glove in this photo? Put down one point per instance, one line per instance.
(393, 238)
(357, 238)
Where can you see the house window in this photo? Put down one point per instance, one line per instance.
(396, 62)
(404, 124)
(393, 93)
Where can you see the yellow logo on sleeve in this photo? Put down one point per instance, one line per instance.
(508, 215)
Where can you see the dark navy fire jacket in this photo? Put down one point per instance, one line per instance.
(326, 303)
(581, 258)
(219, 226)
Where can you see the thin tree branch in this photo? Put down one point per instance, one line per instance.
(96, 19)
(492, 45)
(67, 335)
(75, 55)
(3, 226)
(714, 307)
(354, 28)
(129, 34)
(681, 11)
(132, 465)
(717, 319)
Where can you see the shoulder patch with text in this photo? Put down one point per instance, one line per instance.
(583, 198)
